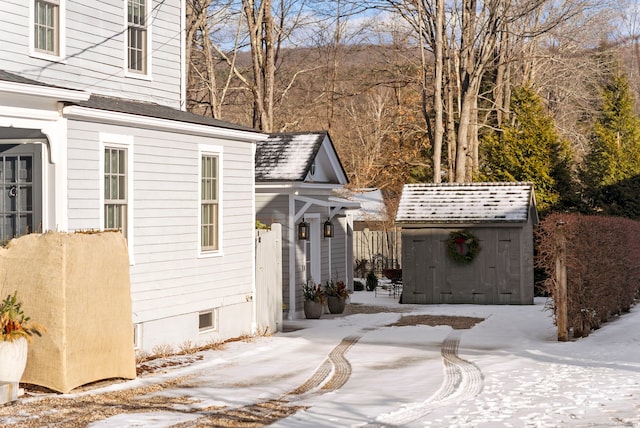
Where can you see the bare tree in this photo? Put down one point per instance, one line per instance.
(477, 37)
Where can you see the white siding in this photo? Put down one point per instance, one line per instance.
(168, 278)
(95, 55)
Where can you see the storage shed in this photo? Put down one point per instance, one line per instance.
(467, 243)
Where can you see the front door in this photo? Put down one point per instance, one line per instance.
(20, 184)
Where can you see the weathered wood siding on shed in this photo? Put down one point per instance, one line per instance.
(168, 278)
(95, 50)
(500, 273)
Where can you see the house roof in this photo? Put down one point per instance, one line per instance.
(290, 156)
(466, 203)
(141, 108)
(14, 78)
(371, 205)
(122, 105)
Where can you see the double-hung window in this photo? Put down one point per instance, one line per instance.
(137, 36)
(46, 27)
(209, 202)
(115, 189)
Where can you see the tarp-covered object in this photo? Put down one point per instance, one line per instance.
(77, 286)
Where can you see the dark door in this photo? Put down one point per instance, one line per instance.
(20, 184)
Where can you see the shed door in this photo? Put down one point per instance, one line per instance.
(20, 183)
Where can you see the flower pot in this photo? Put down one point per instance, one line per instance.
(13, 359)
(335, 304)
(312, 310)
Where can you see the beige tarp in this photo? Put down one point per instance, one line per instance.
(77, 286)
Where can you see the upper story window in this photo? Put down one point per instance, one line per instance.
(46, 27)
(137, 36)
(209, 200)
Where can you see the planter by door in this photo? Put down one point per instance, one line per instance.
(336, 304)
(312, 310)
(13, 359)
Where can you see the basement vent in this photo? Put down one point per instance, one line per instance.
(207, 320)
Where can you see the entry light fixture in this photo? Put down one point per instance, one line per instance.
(303, 230)
(328, 229)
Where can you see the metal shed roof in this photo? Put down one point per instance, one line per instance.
(466, 203)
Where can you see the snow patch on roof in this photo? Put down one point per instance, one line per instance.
(286, 157)
(465, 203)
(371, 205)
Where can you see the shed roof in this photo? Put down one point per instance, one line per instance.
(467, 203)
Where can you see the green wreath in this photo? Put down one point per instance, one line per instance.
(462, 246)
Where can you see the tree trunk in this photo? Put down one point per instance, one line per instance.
(437, 96)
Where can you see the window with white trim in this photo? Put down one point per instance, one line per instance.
(46, 26)
(137, 36)
(115, 189)
(209, 203)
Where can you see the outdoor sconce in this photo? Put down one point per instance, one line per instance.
(328, 229)
(303, 230)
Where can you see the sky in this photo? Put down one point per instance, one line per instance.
(358, 371)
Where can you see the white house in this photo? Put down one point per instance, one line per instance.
(93, 136)
(298, 179)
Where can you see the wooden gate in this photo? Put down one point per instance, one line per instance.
(268, 298)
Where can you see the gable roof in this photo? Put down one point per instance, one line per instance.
(467, 203)
(148, 109)
(14, 78)
(289, 156)
(372, 206)
(99, 102)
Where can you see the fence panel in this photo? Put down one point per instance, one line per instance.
(376, 250)
(268, 297)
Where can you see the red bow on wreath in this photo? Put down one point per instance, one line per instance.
(460, 242)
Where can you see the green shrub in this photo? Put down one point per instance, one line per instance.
(358, 286)
(372, 281)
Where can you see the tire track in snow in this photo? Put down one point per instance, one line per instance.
(462, 380)
(333, 373)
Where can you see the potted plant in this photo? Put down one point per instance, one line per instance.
(16, 330)
(337, 294)
(313, 300)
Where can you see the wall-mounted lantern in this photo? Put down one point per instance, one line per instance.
(303, 230)
(327, 229)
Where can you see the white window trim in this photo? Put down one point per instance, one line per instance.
(213, 151)
(131, 74)
(62, 12)
(214, 321)
(120, 142)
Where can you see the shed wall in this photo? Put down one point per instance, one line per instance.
(502, 273)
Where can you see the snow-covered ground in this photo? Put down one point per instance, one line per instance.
(356, 370)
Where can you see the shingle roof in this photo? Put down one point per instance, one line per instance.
(465, 203)
(371, 205)
(122, 105)
(155, 110)
(287, 156)
(14, 78)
